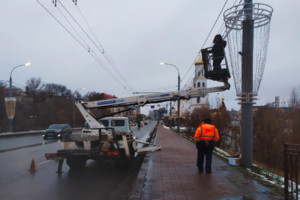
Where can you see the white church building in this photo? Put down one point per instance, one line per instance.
(199, 81)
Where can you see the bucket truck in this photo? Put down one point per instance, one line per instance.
(101, 139)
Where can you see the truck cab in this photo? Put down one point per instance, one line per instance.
(119, 124)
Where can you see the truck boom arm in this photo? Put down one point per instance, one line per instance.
(141, 101)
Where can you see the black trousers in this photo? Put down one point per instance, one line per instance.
(217, 63)
(205, 149)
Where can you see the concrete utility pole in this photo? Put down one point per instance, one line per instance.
(247, 86)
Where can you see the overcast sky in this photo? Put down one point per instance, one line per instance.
(136, 35)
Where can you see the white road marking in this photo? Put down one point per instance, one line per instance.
(44, 162)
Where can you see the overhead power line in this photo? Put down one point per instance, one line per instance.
(84, 44)
(101, 49)
(61, 24)
(74, 28)
(199, 52)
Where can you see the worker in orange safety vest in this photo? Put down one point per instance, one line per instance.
(206, 136)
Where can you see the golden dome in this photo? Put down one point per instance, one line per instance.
(199, 62)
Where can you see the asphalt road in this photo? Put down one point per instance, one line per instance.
(105, 181)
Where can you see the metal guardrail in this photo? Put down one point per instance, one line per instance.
(291, 171)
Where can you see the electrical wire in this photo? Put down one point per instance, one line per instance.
(206, 39)
(101, 49)
(164, 88)
(74, 28)
(82, 44)
(87, 48)
(220, 31)
(214, 24)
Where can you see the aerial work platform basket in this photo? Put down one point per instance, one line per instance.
(222, 74)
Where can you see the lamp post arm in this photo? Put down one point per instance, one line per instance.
(175, 67)
(15, 68)
(177, 72)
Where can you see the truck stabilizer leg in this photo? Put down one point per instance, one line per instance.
(59, 170)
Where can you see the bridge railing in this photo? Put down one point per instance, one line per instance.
(291, 171)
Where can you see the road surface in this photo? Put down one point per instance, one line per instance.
(105, 181)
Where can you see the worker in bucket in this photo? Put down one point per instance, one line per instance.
(218, 51)
(206, 136)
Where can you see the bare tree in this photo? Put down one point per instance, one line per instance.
(93, 96)
(33, 88)
(269, 137)
(198, 115)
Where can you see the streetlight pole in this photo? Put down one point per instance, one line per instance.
(178, 101)
(73, 102)
(10, 91)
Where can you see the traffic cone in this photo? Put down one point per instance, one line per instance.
(32, 166)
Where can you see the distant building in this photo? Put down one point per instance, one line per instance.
(199, 81)
(154, 114)
(277, 100)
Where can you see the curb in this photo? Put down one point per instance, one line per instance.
(137, 191)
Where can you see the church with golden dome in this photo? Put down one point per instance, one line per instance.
(199, 81)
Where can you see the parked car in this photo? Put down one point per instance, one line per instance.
(57, 131)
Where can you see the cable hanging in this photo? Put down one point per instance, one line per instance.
(101, 49)
(83, 43)
(55, 2)
(206, 39)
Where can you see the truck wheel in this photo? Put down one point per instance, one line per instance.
(123, 162)
(76, 162)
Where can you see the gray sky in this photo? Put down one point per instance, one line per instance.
(137, 36)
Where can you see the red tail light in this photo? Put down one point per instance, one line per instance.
(50, 155)
(112, 153)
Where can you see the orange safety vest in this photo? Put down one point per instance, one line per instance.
(206, 132)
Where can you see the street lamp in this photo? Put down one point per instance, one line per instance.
(178, 101)
(10, 79)
(73, 99)
(10, 96)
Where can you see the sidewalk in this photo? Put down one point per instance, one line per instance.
(172, 174)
